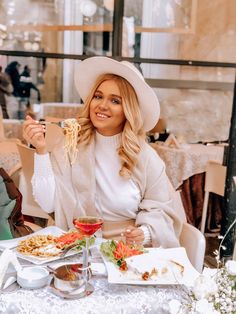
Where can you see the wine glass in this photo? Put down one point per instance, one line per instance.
(87, 225)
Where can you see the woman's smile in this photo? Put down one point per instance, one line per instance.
(101, 115)
(106, 109)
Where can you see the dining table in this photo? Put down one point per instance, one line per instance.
(185, 167)
(13, 128)
(9, 156)
(107, 298)
(187, 160)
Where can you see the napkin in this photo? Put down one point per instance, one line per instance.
(8, 257)
(172, 141)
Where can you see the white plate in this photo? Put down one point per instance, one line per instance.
(53, 230)
(163, 257)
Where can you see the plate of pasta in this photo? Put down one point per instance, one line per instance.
(46, 245)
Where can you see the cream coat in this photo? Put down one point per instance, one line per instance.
(76, 188)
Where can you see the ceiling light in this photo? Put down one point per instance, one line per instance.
(27, 45)
(35, 47)
(88, 8)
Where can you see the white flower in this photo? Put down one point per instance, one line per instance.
(204, 287)
(231, 267)
(175, 307)
(203, 306)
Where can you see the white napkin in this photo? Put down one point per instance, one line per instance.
(172, 141)
(8, 257)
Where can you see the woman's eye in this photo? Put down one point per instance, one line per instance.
(116, 101)
(97, 96)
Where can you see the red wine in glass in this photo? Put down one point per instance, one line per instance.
(88, 225)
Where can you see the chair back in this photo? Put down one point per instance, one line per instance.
(214, 183)
(160, 126)
(215, 178)
(29, 206)
(194, 243)
(190, 238)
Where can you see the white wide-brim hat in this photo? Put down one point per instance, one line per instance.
(87, 72)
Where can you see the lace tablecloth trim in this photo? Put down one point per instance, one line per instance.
(106, 299)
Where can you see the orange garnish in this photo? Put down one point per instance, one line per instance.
(123, 251)
(68, 238)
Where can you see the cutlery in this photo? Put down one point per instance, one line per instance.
(61, 124)
(65, 251)
(51, 270)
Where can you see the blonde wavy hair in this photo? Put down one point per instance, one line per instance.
(132, 133)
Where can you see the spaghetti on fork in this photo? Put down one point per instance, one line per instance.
(71, 129)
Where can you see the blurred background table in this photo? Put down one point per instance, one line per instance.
(10, 159)
(191, 159)
(57, 110)
(185, 168)
(12, 128)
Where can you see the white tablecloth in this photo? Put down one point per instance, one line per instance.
(182, 163)
(106, 299)
(9, 157)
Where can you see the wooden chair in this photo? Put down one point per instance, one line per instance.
(2, 135)
(29, 206)
(191, 238)
(160, 126)
(214, 183)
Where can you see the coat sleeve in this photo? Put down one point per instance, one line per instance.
(157, 208)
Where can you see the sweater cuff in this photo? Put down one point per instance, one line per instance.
(147, 235)
(42, 166)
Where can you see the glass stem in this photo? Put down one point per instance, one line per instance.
(85, 259)
(87, 249)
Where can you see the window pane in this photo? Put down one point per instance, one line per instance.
(71, 26)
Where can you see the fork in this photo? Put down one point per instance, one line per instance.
(61, 124)
(65, 251)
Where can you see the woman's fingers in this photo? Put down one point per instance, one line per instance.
(33, 133)
(133, 241)
(134, 235)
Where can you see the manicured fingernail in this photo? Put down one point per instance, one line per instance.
(127, 230)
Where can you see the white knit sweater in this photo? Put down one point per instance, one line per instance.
(117, 199)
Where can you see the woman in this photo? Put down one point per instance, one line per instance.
(26, 85)
(116, 175)
(5, 89)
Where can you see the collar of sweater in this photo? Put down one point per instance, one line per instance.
(113, 140)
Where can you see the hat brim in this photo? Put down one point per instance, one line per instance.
(87, 72)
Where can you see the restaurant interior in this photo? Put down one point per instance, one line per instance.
(186, 52)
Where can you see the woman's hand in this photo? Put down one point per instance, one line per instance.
(134, 235)
(33, 133)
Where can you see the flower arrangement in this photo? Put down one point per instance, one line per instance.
(214, 291)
